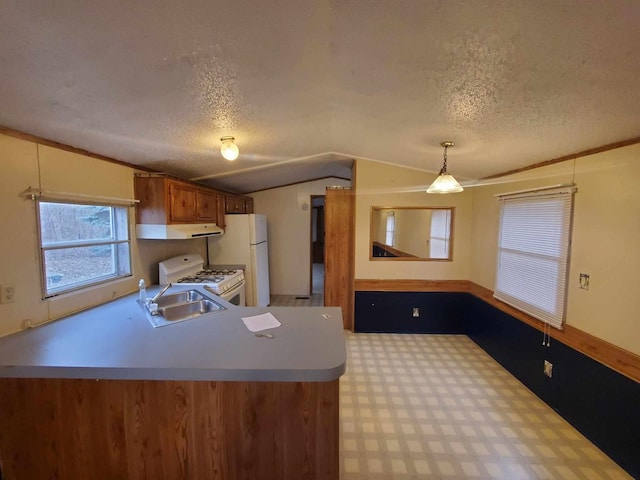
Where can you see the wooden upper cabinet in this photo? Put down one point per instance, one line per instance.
(248, 204)
(165, 200)
(234, 204)
(182, 202)
(238, 204)
(206, 205)
(154, 200)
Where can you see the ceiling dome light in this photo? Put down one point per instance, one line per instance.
(229, 149)
(445, 183)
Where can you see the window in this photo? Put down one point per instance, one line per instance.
(390, 228)
(82, 245)
(440, 227)
(533, 249)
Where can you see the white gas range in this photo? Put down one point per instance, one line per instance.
(189, 269)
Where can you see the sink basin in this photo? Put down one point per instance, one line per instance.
(188, 310)
(179, 298)
(180, 306)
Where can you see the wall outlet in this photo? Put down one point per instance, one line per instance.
(416, 312)
(584, 281)
(548, 368)
(7, 293)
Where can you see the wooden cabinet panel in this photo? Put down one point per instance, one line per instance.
(165, 200)
(154, 201)
(234, 204)
(221, 203)
(206, 205)
(182, 201)
(339, 252)
(140, 429)
(237, 204)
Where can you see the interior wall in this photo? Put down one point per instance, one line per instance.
(606, 232)
(381, 184)
(413, 232)
(27, 164)
(288, 211)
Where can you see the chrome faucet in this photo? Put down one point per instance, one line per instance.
(160, 293)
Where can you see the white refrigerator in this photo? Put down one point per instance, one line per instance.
(245, 242)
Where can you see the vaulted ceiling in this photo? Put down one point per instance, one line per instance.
(307, 86)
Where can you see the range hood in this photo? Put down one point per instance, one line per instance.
(177, 232)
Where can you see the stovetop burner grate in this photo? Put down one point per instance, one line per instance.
(216, 272)
(202, 279)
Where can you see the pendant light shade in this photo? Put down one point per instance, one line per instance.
(445, 183)
(229, 149)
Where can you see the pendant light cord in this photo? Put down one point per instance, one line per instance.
(443, 170)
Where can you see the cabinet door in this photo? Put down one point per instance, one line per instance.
(248, 205)
(234, 205)
(182, 199)
(221, 211)
(151, 191)
(206, 205)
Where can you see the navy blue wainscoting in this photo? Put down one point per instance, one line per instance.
(392, 312)
(601, 403)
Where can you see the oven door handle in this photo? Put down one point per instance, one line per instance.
(227, 292)
(235, 288)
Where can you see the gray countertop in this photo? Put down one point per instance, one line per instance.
(116, 341)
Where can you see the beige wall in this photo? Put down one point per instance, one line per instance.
(289, 229)
(381, 184)
(26, 164)
(606, 231)
(413, 231)
(605, 239)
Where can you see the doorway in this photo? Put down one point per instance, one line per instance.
(317, 244)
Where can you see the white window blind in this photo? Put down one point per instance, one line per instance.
(440, 227)
(390, 229)
(533, 249)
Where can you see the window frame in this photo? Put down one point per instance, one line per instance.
(535, 253)
(120, 235)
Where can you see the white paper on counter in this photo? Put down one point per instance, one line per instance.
(261, 322)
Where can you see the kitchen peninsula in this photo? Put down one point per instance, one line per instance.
(103, 394)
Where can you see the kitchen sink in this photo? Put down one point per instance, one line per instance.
(180, 298)
(180, 306)
(185, 311)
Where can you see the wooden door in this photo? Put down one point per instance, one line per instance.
(339, 211)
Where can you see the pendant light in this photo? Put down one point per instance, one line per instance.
(229, 149)
(445, 183)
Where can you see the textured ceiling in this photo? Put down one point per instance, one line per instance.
(306, 86)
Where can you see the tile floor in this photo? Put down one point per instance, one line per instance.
(439, 407)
